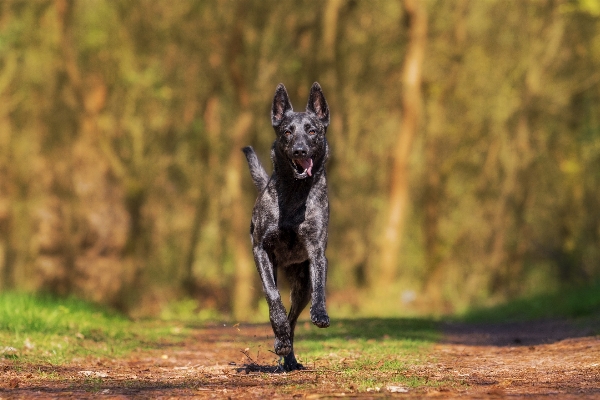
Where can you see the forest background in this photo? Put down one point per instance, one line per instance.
(465, 141)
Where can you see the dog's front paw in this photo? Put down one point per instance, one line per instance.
(319, 318)
(291, 364)
(283, 346)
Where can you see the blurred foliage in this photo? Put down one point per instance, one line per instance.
(122, 180)
(581, 304)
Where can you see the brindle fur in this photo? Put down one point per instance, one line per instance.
(291, 214)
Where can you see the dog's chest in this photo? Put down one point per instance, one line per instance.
(294, 222)
(291, 237)
(288, 247)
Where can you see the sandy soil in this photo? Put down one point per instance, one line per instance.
(539, 359)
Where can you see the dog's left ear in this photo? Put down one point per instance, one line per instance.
(317, 104)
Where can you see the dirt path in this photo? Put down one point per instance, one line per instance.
(474, 361)
(520, 359)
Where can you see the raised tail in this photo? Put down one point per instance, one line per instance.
(257, 171)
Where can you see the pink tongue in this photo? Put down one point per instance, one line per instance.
(306, 164)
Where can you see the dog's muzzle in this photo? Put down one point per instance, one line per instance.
(302, 167)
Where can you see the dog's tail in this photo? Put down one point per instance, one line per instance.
(257, 171)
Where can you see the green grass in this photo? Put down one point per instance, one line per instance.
(39, 328)
(569, 303)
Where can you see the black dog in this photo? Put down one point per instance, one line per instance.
(290, 217)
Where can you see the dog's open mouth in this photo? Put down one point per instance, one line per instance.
(302, 167)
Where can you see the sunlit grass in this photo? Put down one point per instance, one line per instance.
(23, 314)
(44, 328)
(369, 353)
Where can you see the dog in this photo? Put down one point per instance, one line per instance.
(291, 214)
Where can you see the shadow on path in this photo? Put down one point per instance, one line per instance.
(528, 333)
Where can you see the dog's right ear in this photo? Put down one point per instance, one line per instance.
(281, 105)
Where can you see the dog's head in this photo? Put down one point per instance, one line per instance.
(301, 135)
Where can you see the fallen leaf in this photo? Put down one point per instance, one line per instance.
(396, 389)
(95, 374)
(13, 383)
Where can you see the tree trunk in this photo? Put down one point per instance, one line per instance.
(213, 128)
(238, 242)
(239, 223)
(436, 141)
(411, 110)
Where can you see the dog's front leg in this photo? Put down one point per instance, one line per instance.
(277, 314)
(318, 278)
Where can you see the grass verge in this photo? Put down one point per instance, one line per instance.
(42, 328)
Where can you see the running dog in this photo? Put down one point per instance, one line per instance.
(291, 214)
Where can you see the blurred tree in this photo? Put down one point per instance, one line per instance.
(122, 180)
(416, 20)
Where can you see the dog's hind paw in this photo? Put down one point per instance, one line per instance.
(320, 319)
(283, 347)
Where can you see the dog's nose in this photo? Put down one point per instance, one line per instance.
(299, 151)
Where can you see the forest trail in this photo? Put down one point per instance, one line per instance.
(537, 359)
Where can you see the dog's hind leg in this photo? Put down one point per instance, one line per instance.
(299, 278)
